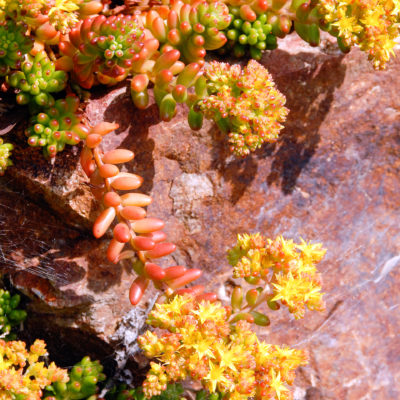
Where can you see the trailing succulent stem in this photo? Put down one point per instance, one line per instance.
(142, 234)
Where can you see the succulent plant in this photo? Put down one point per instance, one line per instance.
(174, 391)
(14, 44)
(10, 315)
(57, 126)
(373, 25)
(190, 28)
(82, 384)
(23, 373)
(36, 80)
(102, 49)
(5, 153)
(171, 79)
(244, 35)
(244, 103)
(142, 234)
(47, 19)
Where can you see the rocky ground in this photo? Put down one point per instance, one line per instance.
(333, 177)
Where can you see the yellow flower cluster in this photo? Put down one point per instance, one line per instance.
(371, 24)
(245, 104)
(62, 14)
(22, 375)
(288, 267)
(198, 342)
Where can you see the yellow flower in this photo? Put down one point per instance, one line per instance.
(277, 384)
(216, 376)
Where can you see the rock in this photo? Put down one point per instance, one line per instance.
(187, 192)
(333, 177)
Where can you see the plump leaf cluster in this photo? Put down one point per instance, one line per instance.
(10, 314)
(82, 384)
(197, 340)
(252, 36)
(23, 374)
(102, 50)
(5, 153)
(56, 126)
(36, 80)
(191, 27)
(244, 103)
(14, 44)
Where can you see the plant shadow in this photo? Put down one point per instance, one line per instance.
(308, 85)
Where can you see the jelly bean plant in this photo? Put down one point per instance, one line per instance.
(53, 52)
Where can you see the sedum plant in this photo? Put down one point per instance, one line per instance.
(10, 315)
(14, 44)
(283, 271)
(36, 80)
(23, 374)
(243, 102)
(102, 49)
(199, 338)
(143, 235)
(252, 35)
(5, 153)
(82, 384)
(192, 28)
(373, 25)
(198, 341)
(57, 126)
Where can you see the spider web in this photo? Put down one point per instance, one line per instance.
(23, 247)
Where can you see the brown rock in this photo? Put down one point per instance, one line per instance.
(333, 177)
